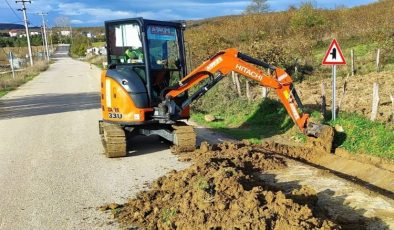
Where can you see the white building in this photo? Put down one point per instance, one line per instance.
(13, 33)
(65, 33)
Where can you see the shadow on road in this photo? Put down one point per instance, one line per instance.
(140, 145)
(43, 104)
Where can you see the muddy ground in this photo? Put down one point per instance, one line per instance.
(227, 187)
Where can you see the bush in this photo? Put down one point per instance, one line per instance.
(307, 19)
(79, 46)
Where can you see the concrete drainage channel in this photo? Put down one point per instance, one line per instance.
(344, 199)
(349, 204)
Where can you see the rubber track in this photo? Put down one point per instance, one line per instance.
(114, 140)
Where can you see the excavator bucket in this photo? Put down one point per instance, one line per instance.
(321, 136)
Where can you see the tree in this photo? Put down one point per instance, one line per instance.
(257, 6)
(62, 22)
(307, 18)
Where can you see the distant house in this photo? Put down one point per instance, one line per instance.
(13, 33)
(97, 51)
(65, 33)
(34, 33)
(89, 35)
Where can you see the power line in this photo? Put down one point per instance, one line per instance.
(13, 11)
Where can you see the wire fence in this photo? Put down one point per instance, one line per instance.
(20, 58)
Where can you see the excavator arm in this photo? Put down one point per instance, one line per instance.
(221, 65)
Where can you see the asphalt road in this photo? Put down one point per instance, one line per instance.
(53, 174)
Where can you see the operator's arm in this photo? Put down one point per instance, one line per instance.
(231, 60)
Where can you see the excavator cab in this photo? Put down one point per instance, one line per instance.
(153, 51)
(144, 58)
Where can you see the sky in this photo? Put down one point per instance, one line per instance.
(94, 12)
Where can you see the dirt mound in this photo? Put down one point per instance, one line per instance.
(220, 190)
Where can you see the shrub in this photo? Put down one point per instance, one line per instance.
(307, 19)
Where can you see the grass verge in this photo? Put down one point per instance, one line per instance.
(364, 136)
(254, 122)
(8, 83)
(360, 136)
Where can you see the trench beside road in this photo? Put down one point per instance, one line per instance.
(53, 174)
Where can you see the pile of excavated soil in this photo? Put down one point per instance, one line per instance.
(220, 190)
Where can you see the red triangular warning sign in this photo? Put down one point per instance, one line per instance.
(334, 55)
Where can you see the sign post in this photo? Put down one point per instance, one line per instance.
(334, 57)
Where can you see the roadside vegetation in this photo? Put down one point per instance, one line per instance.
(297, 39)
(8, 83)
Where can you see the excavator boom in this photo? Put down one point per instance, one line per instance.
(230, 60)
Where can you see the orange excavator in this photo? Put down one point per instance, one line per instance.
(145, 90)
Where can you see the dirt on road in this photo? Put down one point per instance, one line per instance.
(222, 189)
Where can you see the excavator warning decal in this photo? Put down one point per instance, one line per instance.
(108, 93)
(214, 63)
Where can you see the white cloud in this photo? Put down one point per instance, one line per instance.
(77, 8)
(76, 21)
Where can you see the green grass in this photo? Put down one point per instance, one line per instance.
(262, 120)
(269, 118)
(98, 44)
(8, 83)
(167, 215)
(3, 92)
(364, 136)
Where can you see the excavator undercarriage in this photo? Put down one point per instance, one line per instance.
(116, 138)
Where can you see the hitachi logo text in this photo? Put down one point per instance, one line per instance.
(249, 72)
(214, 63)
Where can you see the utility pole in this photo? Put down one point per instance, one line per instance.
(27, 27)
(71, 34)
(43, 42)
(45, 34)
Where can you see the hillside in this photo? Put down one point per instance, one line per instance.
(10, 26)
(299, 38)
